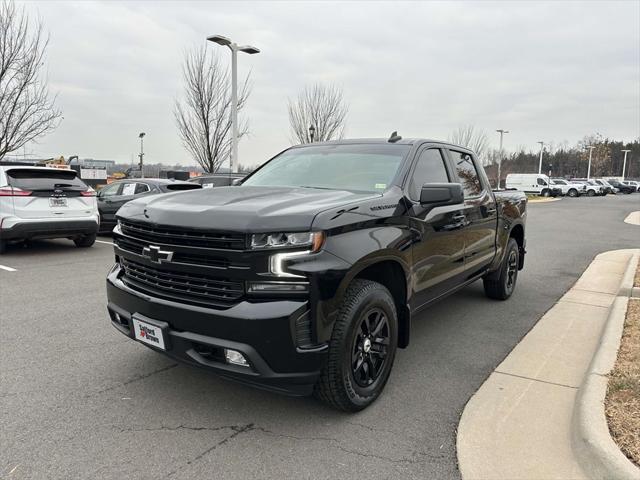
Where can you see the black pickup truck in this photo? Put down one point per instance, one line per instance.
(306, 277)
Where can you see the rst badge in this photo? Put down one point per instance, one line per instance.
(149, 334)
(156, 255)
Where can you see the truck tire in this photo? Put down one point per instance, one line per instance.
(362, 348)
(573, 192)
(85, 241)
(546, 192)
(3, 246)
(501, 284)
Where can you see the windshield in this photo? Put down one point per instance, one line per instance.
(364, 167)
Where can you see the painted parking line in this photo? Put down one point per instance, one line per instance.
(8, 269)
(103, 241)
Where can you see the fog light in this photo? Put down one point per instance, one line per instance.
(235, 358)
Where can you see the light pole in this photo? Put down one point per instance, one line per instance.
(312, 132)
(540, 164)
(224, 41)
(624, 163)
(141, 136)
(501, 132)
(590, 147)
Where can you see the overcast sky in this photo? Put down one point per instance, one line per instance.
(550, 71)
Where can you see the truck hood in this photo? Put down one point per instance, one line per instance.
(245, 209)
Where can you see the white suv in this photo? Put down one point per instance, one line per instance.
(45, 202)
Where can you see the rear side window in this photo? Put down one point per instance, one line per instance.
(429, 169)
(467, 173)
(45, 179)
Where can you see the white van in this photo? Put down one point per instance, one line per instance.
(45, 202)
(535, 183)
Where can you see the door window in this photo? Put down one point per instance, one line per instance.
(128, 189)
(430, 168)
(467, 173)
(141, 188)
(110, 190)
(541, 182)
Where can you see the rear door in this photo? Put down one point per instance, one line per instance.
(480, 211)
(50, 192)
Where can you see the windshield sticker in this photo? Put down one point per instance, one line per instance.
(380, 186)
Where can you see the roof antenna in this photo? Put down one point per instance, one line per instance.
(394, 137)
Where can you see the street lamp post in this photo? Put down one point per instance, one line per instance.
(141, 155)
(224, 41)
(624, 163)
(501, 132)
(540, 163)
(312, 132)
(590, 147)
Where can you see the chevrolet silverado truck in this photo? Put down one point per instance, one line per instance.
(307, 276)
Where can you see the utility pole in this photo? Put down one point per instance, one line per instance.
(141, 155)
(312, 132)
(590, 147)
(501, 132)
(624, 163)
(540, 164)
(226, 42)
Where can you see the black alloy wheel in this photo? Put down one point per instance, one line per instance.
(369, 350)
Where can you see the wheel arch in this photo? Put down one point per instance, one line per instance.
(393, 274)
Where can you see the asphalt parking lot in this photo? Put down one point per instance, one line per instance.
(79, 400)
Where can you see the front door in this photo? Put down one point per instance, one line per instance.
(438, 249)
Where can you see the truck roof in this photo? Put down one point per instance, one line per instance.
(403, 141)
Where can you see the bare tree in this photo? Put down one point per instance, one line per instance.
(468, 136)
(321, 107)
(203, 116)
(26, 110)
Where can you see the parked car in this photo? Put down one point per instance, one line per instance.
(216, 179)
(567, 188)
(535, 183)
(116, 194)
(590, 187)
(307, 276)
(608, 188)
(632, 183)
(45, 202)
(621, 186)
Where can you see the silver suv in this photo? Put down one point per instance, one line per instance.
(46, 202)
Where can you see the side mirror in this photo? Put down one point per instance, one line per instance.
(236, 182)
(440, 194)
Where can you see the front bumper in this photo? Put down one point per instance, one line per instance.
(14, 229)
(264, 332)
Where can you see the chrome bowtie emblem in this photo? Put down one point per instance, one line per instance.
(156, 255)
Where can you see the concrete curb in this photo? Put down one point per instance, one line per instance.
(597, 453)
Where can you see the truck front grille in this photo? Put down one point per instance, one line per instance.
(181, 287)
(133, 245)
(183, 237)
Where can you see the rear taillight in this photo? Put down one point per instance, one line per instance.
(88, 193)
(14, 192)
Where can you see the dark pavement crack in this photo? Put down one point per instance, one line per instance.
(137, 378)
(237, 430)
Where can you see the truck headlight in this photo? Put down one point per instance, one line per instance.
(313, 240)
